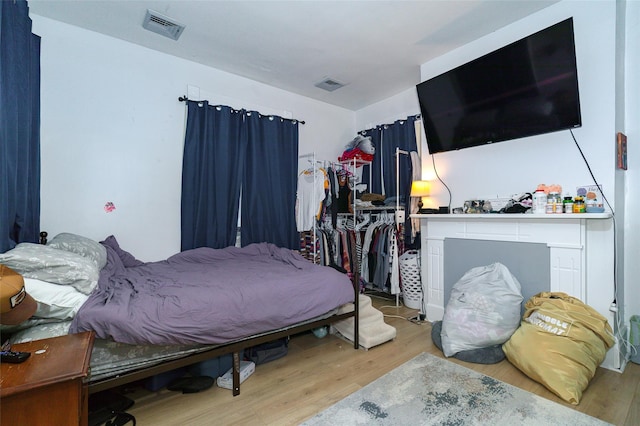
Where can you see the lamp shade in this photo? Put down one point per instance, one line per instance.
(420, 188)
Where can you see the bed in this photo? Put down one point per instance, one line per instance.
(154, 317)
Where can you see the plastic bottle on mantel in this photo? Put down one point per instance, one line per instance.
(550, 206)
(568, 204)
(556, 202)
(539, 202)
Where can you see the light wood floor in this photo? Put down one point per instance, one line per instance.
(316, 373)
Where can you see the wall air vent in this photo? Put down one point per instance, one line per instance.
(163, 25)
(329, 84)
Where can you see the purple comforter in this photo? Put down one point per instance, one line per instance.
(209, 296)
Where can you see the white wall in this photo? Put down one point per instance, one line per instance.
(389, 110)
(112, 130)
(632, 175)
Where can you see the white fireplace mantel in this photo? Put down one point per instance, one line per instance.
(581, 248)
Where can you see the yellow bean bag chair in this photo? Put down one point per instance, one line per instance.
(560, 343)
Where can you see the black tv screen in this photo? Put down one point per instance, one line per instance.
(526, 88)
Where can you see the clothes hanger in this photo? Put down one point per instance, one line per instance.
(366, 218)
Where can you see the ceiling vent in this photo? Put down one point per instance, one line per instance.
(163, 25)
(329, 84)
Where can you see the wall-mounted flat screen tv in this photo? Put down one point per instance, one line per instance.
(526, 88)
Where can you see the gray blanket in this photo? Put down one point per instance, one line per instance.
(209, 296)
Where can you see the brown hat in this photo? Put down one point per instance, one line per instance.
(16, 305)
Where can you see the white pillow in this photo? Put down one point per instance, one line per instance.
(54, 301)
(81, 245)
(53, 265)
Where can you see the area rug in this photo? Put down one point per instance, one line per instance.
(428, 390)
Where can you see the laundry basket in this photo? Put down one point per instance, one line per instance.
(410, 282)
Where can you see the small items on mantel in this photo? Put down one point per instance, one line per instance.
(519, 203)
(546, 199)
(587, 200)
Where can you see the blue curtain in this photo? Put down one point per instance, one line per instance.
(214, 147)
(231, 155)
(19, 126)
(269, 181)
(387, 137)
(374, 187)
(401, 134)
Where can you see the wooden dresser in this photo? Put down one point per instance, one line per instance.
(49, 387)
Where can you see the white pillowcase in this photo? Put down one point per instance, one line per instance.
(81, 245)
(55, 301)
(53, 265)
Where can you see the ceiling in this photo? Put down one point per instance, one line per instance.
(374, 47)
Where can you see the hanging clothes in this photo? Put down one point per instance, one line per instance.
(345, 202)
(367, 246)
(311, 192)
(333, 195)
(310, 247)
(379, 261)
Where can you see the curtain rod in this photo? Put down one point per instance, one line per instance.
(417, 117)
(185, 99)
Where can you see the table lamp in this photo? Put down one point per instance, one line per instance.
(419, 189)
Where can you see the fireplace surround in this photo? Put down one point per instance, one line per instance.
(580, 255)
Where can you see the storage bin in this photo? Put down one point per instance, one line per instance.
(410, 281)
(214, 367)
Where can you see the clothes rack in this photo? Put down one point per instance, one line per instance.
(311, 203)
(341, 241)
(311, 157)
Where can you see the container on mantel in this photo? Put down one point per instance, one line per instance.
(555, 201)
(539, 202)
